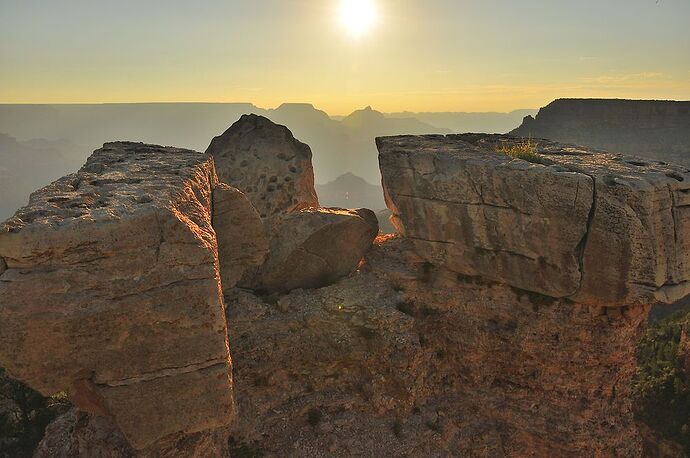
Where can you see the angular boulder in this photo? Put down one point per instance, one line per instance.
(112, 293)
(242, 237)
(595, 227)
(314, 248)
(267, 163)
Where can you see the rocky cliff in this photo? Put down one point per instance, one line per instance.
(654, 129)
(502, 321)
(111, 292)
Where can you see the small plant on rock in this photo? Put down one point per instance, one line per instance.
(525, 150)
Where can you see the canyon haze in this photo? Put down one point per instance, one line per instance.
(40, 143)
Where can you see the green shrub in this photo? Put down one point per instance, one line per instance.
(661, 387)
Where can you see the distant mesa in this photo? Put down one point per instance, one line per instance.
(351, 191)
(654, 129)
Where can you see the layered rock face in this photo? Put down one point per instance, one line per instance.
(111, 292)
(650, 128)
(405, 358)
(267, 163)
(597, 228)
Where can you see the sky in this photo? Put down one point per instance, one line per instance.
(430, 55)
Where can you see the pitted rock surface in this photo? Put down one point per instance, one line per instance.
(267, 163)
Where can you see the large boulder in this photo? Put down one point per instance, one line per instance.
(266, 163)
(111, 291)
(555, 219)
(314, 248)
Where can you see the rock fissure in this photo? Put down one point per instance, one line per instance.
(471, 204)
(581, 248)
(162, 373)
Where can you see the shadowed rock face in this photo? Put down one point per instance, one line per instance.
(112, 293)
(405, 358)
(265, 161)
(651, 128)
(315, 248)
(595, 227)
(242, 237)
(502, 322)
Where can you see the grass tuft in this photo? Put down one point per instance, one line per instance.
(525, 150)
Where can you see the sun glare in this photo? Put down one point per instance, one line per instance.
(357, 16)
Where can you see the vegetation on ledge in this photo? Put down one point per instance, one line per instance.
(525, 150)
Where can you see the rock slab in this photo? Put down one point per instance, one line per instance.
(112, 293)
(314, 248)
(595, 227)
(267, 163)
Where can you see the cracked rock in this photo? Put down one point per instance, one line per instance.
(314, 248)
(112, 293)
(596, 227)
(242, 237)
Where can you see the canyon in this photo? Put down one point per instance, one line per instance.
(191, 306)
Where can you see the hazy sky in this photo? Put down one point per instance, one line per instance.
(420, 55)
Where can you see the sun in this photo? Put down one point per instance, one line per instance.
(357, 16)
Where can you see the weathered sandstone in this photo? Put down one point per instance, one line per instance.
(405, 358)
(594, 227)
(314, 248)
(112, 293)
(80, 435)
(242, 237)
(265, 161)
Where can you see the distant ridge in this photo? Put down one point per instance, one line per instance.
(656, 129)
(351, 191)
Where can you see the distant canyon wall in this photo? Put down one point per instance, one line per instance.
(650, 128)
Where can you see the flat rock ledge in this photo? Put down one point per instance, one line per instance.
(111, 291)
(564, 221)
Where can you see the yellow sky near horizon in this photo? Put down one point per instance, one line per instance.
(440, 55)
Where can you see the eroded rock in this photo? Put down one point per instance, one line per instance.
(265, 161)
(112, 293)
(314, 248)
(80, 435)
(595, 227)
(405, 358)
